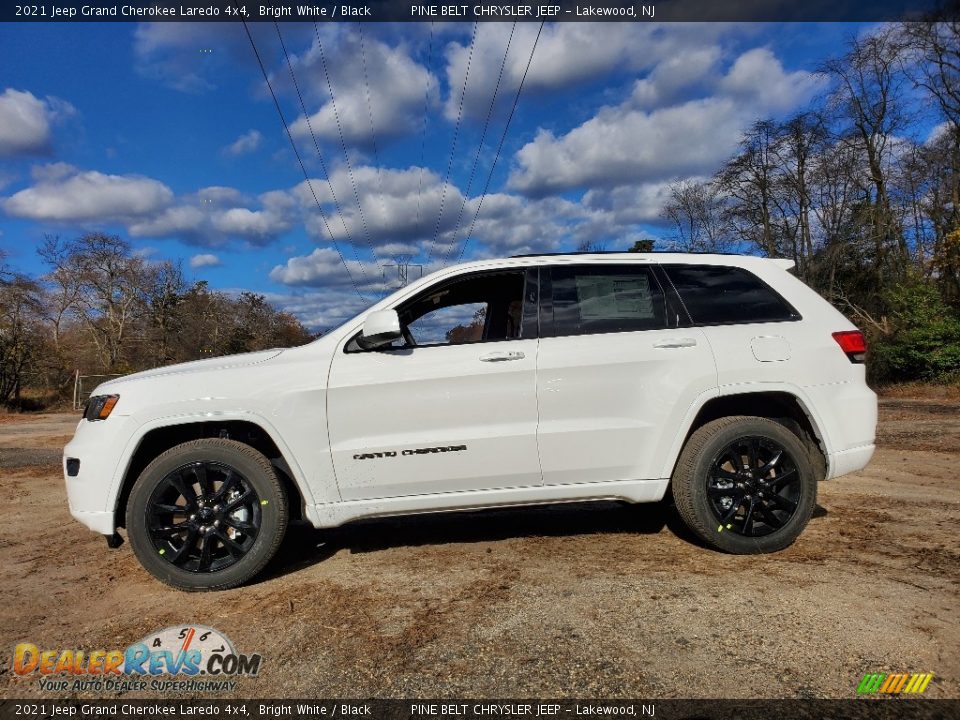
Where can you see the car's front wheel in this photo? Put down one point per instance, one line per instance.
(207, 515)
(745, 485)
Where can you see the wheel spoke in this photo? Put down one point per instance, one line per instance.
(719, 473)
(228, 483)
(770, 517)
(234, 504)
(186, 490)
(752, 453)
(771, 464)
(734, 492)
(228, 542)
(166, 508)
(206, 555)
(748, 519)
(203, 480)
(736, 459)
(240, 525)
(785, 504)
(780, 480)
(729, 514)
(188, 543)
(169, 530)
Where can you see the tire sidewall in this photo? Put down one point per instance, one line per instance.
(254, 467)
(719, 536)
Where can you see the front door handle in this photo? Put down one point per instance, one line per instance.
(676, 343)
(502, 356)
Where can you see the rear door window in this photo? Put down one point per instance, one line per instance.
(592, 299)
(718, 295)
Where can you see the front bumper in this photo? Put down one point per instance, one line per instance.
(91, 492)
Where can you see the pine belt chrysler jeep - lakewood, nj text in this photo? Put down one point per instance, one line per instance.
(528, 380)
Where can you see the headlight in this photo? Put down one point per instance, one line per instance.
(99, 407)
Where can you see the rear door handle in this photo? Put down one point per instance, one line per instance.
(676, 343)
(502, 356)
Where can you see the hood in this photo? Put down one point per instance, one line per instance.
(225, 362)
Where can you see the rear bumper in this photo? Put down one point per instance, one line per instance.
(850, 460)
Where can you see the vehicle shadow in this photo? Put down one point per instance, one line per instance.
(305, 546)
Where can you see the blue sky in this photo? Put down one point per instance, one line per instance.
(165, 134)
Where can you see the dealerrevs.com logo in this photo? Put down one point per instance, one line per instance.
(198, 658)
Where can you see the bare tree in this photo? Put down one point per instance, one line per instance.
(21, 335)
(872, 104)
(111, 288)
(697, 211)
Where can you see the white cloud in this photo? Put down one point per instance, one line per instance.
(670, 80)
(189, 57)
(214, 215)
(204, 260)
(254, 225)
(757, 77)
(567, 54)
(69, 195)
(385, 101)
(246, 143)
(323, 268)
(26, 122)
(398, 205)
(628, 145)
(321, 309)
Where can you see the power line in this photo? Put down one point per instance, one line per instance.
(323, 165)
(343, 146)
(503, 137)
(483, 136)
(423, 140)
(373, 132)
(303, 168)
(453, 145)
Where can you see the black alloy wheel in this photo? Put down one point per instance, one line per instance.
(746, 484)
(753, 486)
(203, 516)
(207, 514)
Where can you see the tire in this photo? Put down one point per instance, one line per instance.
(207, 515)
(759, 504)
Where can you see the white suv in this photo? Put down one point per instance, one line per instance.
(527, 380)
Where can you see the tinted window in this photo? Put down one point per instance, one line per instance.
(605, 299)
(483, 307)
(716, 295)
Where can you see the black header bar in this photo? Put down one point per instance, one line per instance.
(462, 11)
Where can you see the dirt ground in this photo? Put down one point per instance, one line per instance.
(566, 601)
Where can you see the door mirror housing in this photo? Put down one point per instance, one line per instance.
(380, 328)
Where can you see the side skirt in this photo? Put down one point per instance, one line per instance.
(633, 491)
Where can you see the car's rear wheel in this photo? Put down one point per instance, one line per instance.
(745, 485)
(207, 515)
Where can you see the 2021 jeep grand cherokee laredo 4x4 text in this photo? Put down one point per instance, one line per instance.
(499, 382)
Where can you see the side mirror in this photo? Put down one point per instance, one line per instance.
(380, 328)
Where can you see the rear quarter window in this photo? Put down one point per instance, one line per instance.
(718, 295)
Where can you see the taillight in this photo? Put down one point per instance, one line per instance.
(853, 343)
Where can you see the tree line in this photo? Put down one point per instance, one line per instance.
(867, 208)
(102, 309)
